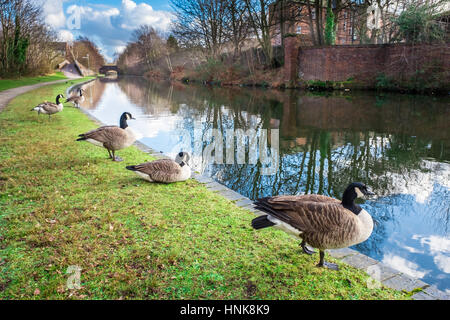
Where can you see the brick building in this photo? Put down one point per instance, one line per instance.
(297, 17)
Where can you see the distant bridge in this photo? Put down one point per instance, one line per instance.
(105, 69)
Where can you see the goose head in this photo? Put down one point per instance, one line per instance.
(353, 191)
(124, 118)
(182, 158)
(59, 96)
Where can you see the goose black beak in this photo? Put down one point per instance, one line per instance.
(369, 193)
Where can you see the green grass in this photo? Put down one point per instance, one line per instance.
(64, 203)
(6, 84)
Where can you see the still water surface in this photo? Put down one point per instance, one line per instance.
(399, 145)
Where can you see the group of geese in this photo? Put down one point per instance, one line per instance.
(318, 221)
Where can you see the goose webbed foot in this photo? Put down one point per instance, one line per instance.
(116, 158)
(306, 249)
(328, 265)
(323, 264)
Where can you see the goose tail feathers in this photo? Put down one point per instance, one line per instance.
(261, 222)
(132, 168)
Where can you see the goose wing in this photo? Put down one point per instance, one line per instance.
(105, 134)
(316, 216)
(309, 198)
(72, 99)
(162, 170)
(49, 107)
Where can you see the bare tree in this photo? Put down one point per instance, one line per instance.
(237, 26)
(26, 42)
(149, 43)
(261, 23)
(200, 23)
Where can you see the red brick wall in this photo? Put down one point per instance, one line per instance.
(365, 62)
(291, 59)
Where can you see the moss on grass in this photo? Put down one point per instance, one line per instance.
(64, 203)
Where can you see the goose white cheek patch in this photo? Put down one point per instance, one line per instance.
(359, 193)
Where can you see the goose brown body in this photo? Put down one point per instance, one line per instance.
(321, 221)
(164, 170)
(49, 108)
(76, 99)
(110, 137)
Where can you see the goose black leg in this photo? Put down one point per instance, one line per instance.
(324, 264)
(109, 152)
(306, 249)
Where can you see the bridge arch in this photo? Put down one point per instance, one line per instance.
(105, 69)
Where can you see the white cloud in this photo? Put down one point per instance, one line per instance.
(65, 35)
(405, 266)
(442, 262)
(436, 244)
(110, 27)
(133, 15)
(439, 248)
(54, 14)
(120, 49)
(421, 183)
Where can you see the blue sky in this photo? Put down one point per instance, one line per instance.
(107, 22)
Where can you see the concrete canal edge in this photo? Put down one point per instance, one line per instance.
(384, 274)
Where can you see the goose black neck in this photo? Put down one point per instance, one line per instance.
(123, 122)
(57, 99)
(348, 200)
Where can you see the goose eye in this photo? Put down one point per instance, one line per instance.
(180, 154)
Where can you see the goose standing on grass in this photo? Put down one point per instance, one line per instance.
(50, 107)
(112, 138)
(164, 170)
(76, 100)
(319, 221)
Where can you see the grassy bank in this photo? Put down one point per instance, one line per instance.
(63, 203)
(6, 84)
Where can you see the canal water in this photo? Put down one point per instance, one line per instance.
(399, 145)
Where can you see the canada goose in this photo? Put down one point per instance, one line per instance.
(112, 138)
(76, 100)
(320, 221)
(164, 170)
(49, 107)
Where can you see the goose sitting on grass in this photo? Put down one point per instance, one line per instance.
(112, 138)
(76, 100)
(164, 170)
(50, 107)
(319, 221)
